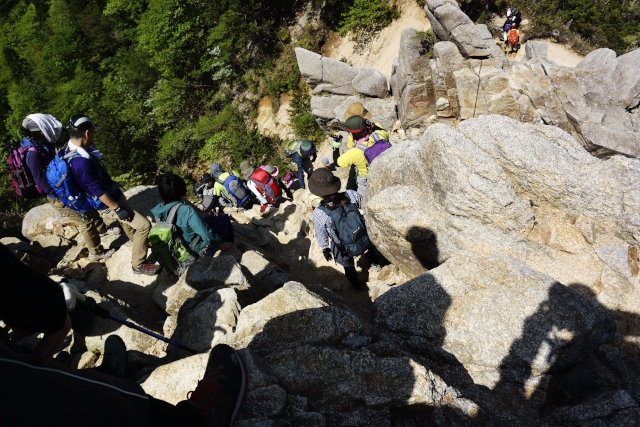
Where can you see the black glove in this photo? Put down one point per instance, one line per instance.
(337, 137)
(123, 214)
(327, 254)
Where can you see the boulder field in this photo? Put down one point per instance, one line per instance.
(509, 213)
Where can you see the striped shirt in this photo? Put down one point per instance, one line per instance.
(322, 223)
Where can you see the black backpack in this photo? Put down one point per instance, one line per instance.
(348, 229)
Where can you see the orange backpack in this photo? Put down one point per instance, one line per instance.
(513, 36)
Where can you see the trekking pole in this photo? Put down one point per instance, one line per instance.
(90, 305)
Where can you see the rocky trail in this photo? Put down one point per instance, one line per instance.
(509, 209)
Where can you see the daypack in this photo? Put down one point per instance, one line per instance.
(266, 185)
(65, 186)
(199, 186)
(513, 36)
(236, 189)
(305, 148)
(379, 146)
(21, 177)
(348, 229)
(168, 246)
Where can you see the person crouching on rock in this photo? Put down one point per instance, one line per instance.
(328, 225)
(195, 232)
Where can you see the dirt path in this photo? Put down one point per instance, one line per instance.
(385, 47)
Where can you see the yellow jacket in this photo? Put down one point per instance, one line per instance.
(355, 156)
(382, 134)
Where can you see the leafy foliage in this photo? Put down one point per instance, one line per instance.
(366, 17)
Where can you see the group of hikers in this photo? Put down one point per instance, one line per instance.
(78, 186)
(511, 32)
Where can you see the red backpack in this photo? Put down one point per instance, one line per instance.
(266, 185)
(513, 36)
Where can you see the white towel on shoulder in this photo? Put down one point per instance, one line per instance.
(93, 151)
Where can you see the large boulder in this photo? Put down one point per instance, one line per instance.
(503, 321)
(206, 319)
(310, 65)
(479, 189)
(337, 77)
(371, 82)
(35, 220)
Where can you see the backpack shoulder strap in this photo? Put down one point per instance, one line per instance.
(173, 212)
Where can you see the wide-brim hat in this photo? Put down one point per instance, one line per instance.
(357, 109)
(246, 170)
(323, 183)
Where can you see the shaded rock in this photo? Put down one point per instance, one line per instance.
(16, 245)
(450, 17)
(614, 408)
(436, 26)
(291, 297)
(205, 319)
(267, 273)
(371, 82)
(264, 402)
(549, 326)
(628, 81)
(209, 272)
(143, 198)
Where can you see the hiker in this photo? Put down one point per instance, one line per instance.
(262, 183)
(357, 109)
(228, 189)
(302, 153)
(41, 391)
(327, 186)
(328, 165)
(361, 131)
(86, 168)
(513, 40)
(195, 231)
(41, 132)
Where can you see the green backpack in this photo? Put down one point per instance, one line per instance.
(168, 246)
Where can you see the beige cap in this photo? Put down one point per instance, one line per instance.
(357, 109)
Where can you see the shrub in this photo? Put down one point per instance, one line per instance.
(365, 18)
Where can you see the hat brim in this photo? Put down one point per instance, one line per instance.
(347, 115)
(325, 191)
(246, 173)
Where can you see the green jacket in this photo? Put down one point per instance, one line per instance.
(194, 230)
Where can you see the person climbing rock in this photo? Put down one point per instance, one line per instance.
(362, 134)
(228, 189)
(262, 183)
(41, 132)
(195, 231)
(335, 204)
(87, 170)
(302, 154)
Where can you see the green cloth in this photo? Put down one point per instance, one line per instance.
(193, 228)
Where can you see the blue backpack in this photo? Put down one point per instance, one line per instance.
(66, 187)
(236, 189)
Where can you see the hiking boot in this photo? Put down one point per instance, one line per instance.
(113, 231)
(102, 256)
(147, 268)
(220, 393)
(114, 361)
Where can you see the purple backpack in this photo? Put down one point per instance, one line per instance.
(379, 146)
(21, 178)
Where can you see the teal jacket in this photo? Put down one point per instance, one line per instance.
(194, 230)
